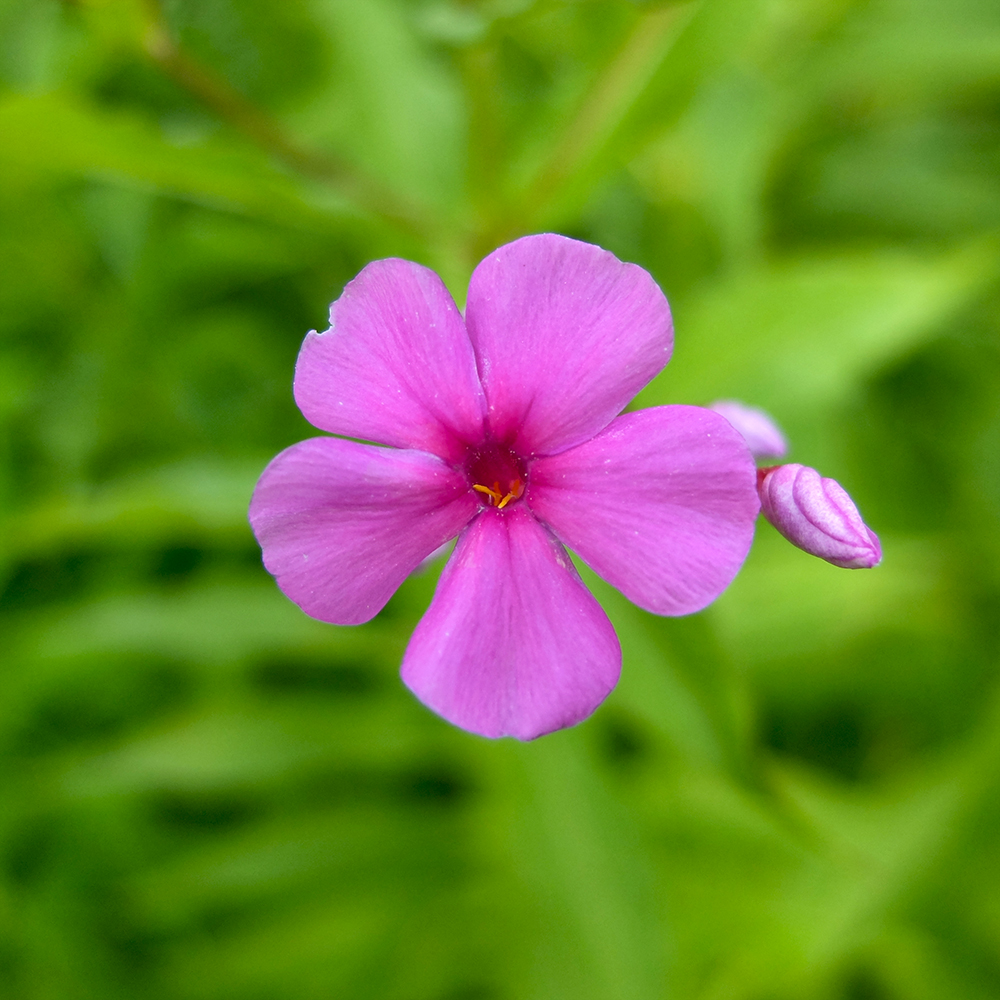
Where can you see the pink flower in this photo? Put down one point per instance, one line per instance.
(503, 429)
(817, 515)
(761, 433)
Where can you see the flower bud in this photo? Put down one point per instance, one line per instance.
(817, 515)
(760, 432)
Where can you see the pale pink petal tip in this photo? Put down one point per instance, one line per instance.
(818, 516)
(761, 433)
(438, 554)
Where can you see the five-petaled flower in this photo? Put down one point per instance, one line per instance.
(504, 428)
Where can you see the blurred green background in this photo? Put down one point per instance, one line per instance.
(207, 795)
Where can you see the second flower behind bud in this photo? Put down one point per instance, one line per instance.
(814, 513)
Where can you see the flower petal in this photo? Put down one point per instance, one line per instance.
(661, 504)
(762, 435)
(565, 335)
(513, 643)
(396, 365)
(343, 524)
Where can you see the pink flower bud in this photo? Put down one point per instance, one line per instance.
(760, 432)
(817, 515)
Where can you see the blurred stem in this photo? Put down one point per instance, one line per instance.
(613, 93)
(266, 132)
(603, 108)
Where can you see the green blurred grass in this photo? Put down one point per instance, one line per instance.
(791, 796)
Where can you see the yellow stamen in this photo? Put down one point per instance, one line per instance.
(496, 498)
(515, 494)
(494, 495)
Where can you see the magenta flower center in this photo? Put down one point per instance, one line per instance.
(496, 474)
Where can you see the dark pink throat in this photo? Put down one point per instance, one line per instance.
(496, 474)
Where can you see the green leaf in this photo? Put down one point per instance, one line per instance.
(392, 107)
(804, 333)
(591, 876)
(61, 134)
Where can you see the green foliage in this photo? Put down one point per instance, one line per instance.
(208, 795)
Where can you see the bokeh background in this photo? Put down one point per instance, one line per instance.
(794, 795)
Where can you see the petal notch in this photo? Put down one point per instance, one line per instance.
(396, 366)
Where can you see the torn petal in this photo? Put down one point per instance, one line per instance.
(396, 366)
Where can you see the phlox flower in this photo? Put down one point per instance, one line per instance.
(504, 429)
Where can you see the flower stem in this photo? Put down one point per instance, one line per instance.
(266, 132)
(598, 116)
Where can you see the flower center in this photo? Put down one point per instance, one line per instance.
(496, 474)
